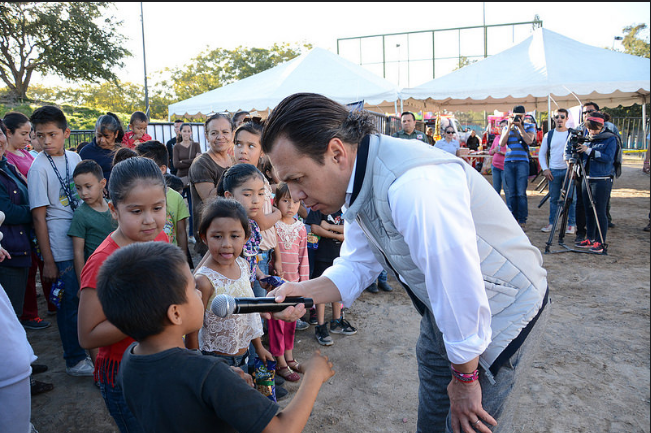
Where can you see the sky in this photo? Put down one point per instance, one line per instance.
(176, 32)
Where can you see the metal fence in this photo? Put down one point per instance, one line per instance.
(632, 132)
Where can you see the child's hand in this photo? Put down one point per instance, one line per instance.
(319, 365)
(265, 355)
(243, 375)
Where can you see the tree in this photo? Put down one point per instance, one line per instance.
(463, 62)
(60, 38)
(215, 68)
(632, 43)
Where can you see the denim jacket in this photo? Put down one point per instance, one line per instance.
(18, 218)
(600, 162)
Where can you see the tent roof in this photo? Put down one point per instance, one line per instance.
(317, 71)
(544, 63)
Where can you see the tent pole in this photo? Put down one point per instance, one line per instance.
(549, 112)
(646, 143)
(395, 107)
(401, 106)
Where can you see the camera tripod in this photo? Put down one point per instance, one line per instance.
(576, 167)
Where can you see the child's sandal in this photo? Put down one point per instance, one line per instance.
(295, 366)
(287, 374)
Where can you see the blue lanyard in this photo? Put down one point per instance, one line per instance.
(66, 185)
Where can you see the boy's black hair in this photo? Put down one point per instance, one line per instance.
(174, 182)
(127, 173)
(14, 120)
(49, 114)
(155, 150)
(89, 166)
(235, 176)
(123, 153)
(138, 115)
(220, 207)
(137, 284)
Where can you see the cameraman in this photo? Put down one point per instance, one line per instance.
(598, 155)
(518, 136)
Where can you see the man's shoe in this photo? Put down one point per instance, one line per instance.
(39, 368)
(301, 325)
(597, 247)
(322, 336)
(37, 323)
(372, 288)
(384, 286)
(83, 368)
(38, 387)
(523, 226)
(341, 326)
(647, 228)
(611, 225)
(281, 393)
(586, 243)
(547, 228)
(278, 380)
(312, 320)
(570, 230)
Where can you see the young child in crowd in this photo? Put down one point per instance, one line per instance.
(137, 130)
(225, 228)
(138, 200)
(123, 153)
(177, 211)
(92, 221)
(148, 292)
(330, 229)
(292, 245)
(247, 150)
(52, 200)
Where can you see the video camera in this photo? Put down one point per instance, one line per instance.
(575, 138)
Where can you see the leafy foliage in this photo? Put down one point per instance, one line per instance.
(632, 43)
(60, 38)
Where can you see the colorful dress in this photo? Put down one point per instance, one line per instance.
(252, 248)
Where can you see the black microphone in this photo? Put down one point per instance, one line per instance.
(225, 305)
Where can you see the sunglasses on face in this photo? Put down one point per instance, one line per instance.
(449, 132)
(589, 111)
(559, 117)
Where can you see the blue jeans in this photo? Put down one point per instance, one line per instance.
(263, 264)
(555, 194)
(244, 361)
(186, 194)
(382, 277)
(516, 175)
(67, 314)
(600, 189)
(499, 183)
(498, 399)
(117, 407)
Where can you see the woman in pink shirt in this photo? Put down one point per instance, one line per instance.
(18, 137)
(498, 153)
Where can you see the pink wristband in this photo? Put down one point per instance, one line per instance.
(465, 377)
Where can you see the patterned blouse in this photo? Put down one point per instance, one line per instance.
(232, 333)
(292, 244)
(252, 248)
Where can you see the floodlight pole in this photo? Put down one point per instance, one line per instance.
(144, 61)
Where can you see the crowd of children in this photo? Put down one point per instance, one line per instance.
(103, 222)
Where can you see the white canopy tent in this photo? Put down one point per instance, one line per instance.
(318, 71)
(544, 68)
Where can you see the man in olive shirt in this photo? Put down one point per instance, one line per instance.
(408, 130)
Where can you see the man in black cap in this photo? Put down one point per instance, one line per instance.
(518, 136)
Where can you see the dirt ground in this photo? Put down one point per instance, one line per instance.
(592, 373)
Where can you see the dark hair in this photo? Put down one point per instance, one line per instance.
(3, 127)
(215, 117)
(14, 120)
(155, 150)
(408, 112)
(250, 127)
(81, 146)
(590, 124)
(88, 166)
(310, 121)
(126, 173)
(49, 114)
(138, 283)
(123, 153)
(220, 207)
(178, 121)
(594, 104)
(519, 109)
(111, 123)
(174, 182)
(138, 115)
(264, 166)
(282, 190)
(178, 137)
(239, 114)
(236, 176)
(563, 110)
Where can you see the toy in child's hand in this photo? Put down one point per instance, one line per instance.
(273, 281)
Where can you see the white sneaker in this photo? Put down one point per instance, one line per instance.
(191, 240)
(547, 228)
(570, 230)
(83, 368)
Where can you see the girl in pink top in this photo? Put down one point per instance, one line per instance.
(498, 153)
(18, 137)
(292, 244)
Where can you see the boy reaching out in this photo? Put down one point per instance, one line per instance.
(148, 292)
